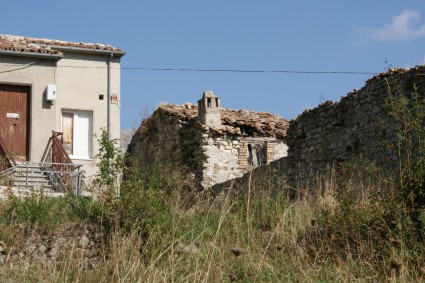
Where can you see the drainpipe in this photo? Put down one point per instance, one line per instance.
(108, 123)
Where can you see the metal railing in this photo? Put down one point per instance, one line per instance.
(60, 158)
(6, 176)
(6, 158)
(31, 174)
(57, 169)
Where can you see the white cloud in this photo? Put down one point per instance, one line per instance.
(401, 28)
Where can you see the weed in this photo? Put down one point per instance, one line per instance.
(111, 162)
(364, 222)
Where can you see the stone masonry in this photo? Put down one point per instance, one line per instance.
(212, 144)
(357, 125)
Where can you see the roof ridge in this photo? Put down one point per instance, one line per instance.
(25, 44)
(234, 122)
(172, 108)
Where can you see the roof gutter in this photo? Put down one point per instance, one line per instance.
(55, 57)
(87, 50)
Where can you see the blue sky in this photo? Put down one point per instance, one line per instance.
(323, 36)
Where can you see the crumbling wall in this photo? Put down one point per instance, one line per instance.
(357, 125)
(173, 138)
(276, 150)
(228, 157)
(170, 142)
(222, 159)
(269, 177)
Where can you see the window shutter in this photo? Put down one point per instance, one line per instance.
(68, 131)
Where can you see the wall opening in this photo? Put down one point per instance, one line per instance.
(257, 155)
(77, 133)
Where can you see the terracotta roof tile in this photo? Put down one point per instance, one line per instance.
(46, 46)
(234, 122)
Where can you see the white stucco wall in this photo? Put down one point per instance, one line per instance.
(80, 79)
(280, 150)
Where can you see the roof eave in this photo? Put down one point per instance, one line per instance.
(55, 57)
(87, 50)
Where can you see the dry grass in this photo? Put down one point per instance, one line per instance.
(257, 236)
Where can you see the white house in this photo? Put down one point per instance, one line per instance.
(65, 87)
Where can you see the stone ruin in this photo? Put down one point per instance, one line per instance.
(210, 143)
(323, 138)
(219, 144)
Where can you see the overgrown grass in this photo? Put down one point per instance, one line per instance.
(45, 213)
(159, 231)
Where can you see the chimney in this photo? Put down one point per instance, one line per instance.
(209, 109)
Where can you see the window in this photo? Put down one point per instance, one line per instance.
(257, 154)
(77, 133)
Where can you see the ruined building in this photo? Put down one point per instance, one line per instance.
(211, 143)
(359, 125)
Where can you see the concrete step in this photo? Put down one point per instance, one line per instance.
(32, 180)
(36, 178)
(22, 192)
(30, 172)
(31, 177)
(32, 184)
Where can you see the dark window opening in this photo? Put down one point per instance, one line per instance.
(216, 102)
(208, 102)
(247, 130)
(257, 154)
(101, 97)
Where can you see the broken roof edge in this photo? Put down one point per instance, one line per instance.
(234, 122)
(194, 107)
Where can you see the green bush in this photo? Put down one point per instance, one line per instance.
(46, 212)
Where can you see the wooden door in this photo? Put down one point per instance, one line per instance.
(14, 120)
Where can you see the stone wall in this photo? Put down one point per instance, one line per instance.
(277, 150)
(222, 159)
(169, 142)
(228, 157)
(263, 177)
(78, 244)
(358, 124)
(174, 140)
